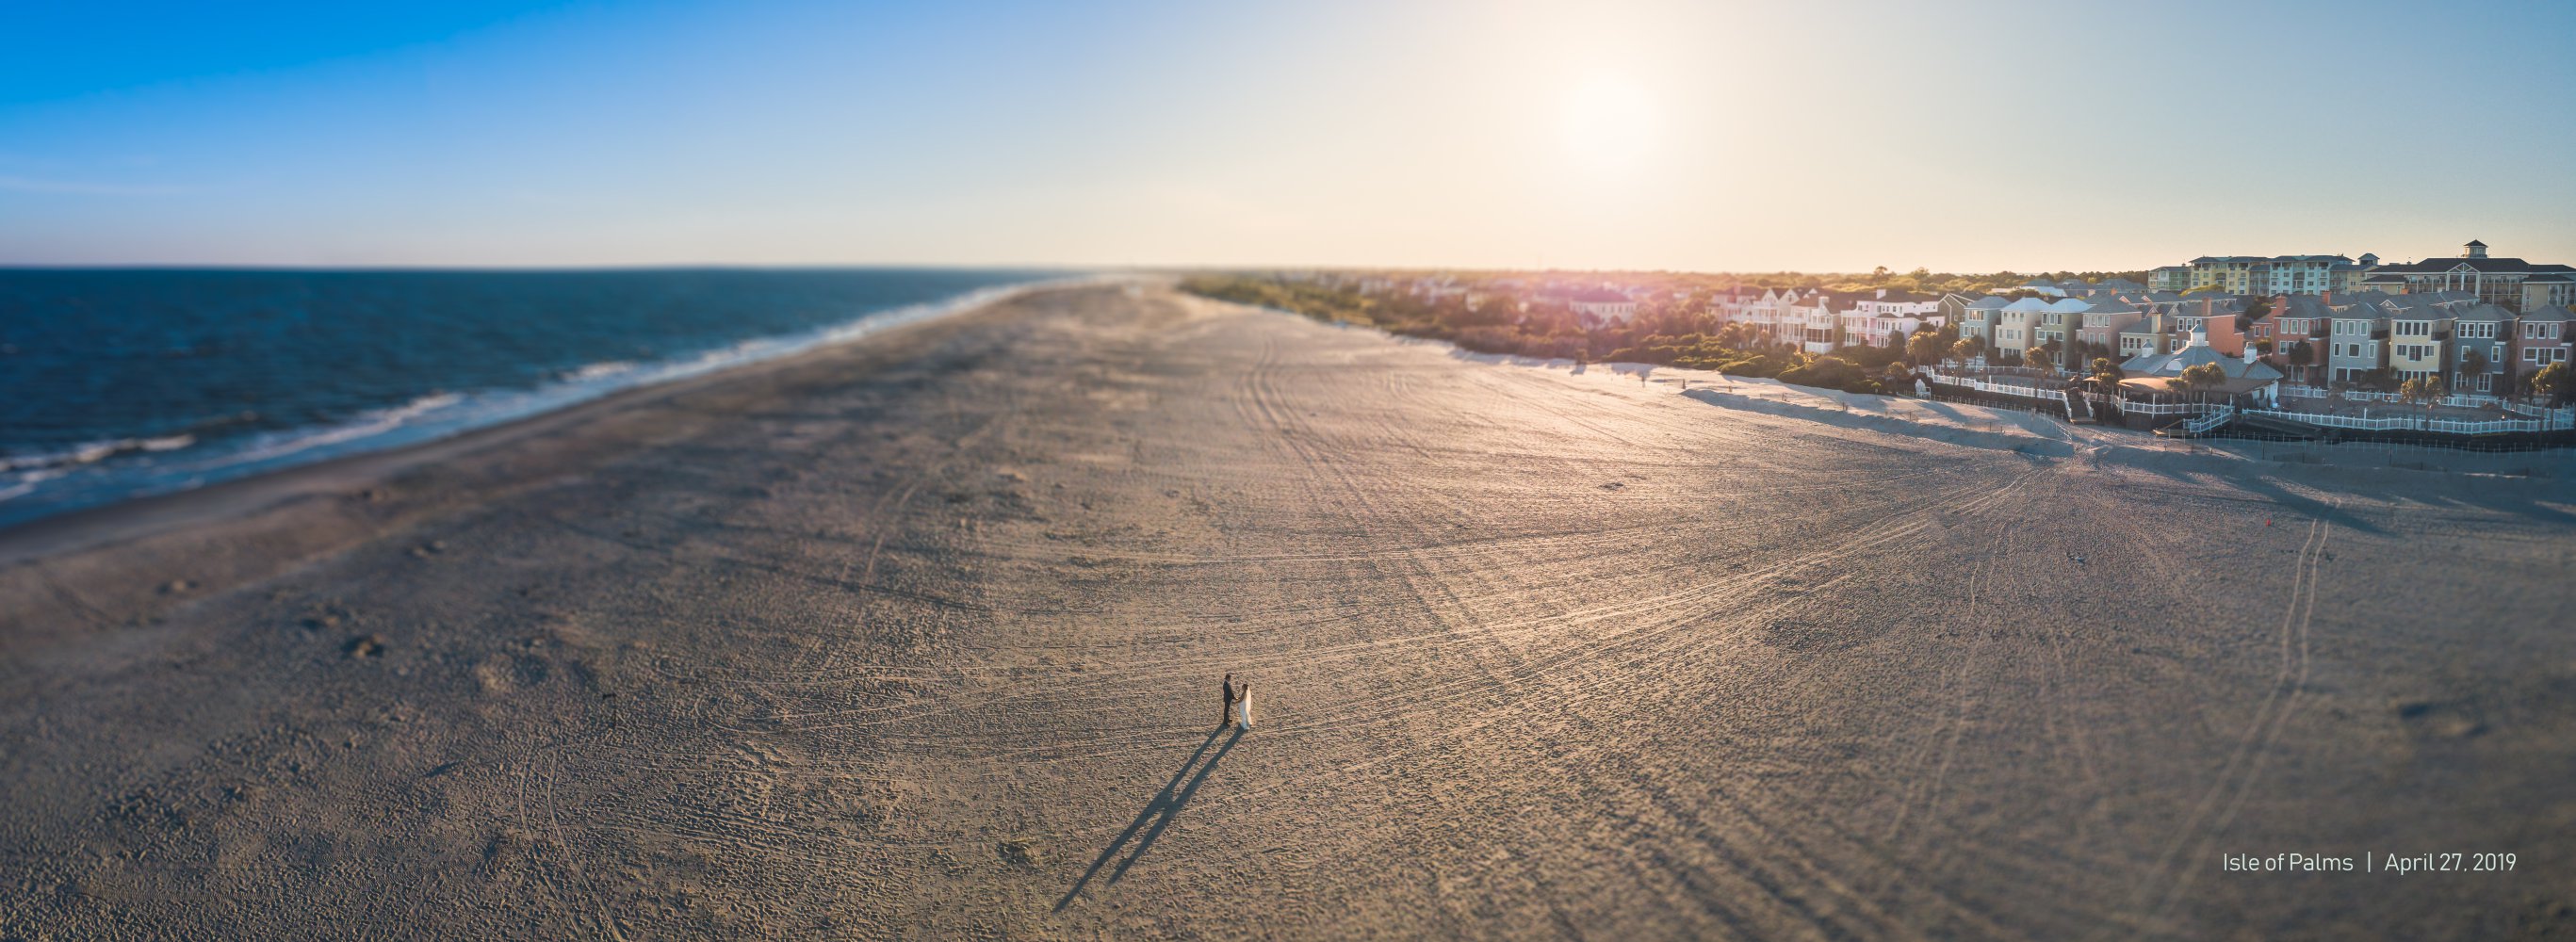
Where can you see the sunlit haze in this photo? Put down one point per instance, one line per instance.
(1744, 136)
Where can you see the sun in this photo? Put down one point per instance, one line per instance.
(1610, 123)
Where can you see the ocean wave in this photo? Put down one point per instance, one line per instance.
(92, 453)
(597, 371)
(87, 476)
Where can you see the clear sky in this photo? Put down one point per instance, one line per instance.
(1966, 136)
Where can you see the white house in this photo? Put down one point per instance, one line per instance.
(1603, 305)
(1872, 318)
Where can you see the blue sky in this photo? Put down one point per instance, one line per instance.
(1831, 136)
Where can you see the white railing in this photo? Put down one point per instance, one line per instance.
(2009, 389)
(2416, 423)
(2213, 419)
(2454, 400)
(2134, 407)
(2566, 415)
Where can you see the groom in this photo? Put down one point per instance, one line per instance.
(1225, 715)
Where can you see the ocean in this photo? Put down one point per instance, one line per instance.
(116, 384)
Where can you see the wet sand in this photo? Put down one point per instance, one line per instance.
(920, 637)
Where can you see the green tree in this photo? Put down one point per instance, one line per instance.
(1923, 348)
(2473, 363)
(2199, 378)
(2551, 381)
(1968, 348)
(2422, 391)
(2107, 373)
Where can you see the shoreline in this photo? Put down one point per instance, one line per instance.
(102, 472)
(53, 533)
(126, 563)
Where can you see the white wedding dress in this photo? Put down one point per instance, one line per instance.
(1243, 710)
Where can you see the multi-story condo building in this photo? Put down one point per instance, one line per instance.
(2261, 274)
(2511, 282)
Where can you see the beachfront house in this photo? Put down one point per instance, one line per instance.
(2299, 336)
(2058, 319)
(1816, 325)
(2356, 341)
(2542, 336)
(1975, 314)
(1873, 318)
(2144, 336)
(2481, 337)
(2016, 327)
(2417, 339)
(1602, 305)
(2211, 314)
(2104, 319)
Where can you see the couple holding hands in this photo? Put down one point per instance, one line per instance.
(1238, 703)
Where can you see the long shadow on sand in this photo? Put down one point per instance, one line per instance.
(1158, 813)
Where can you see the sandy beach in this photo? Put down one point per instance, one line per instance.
(920, 637)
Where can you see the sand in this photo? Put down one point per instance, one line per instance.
(921, 637)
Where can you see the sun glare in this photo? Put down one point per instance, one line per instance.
(1609, 123)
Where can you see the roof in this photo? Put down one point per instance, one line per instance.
(1599, 295)
(2168, 365)
(2307, 306)
(2546, 314)
(2483, 312)
(2483, 265)
(1893, 296)
(2257, 259)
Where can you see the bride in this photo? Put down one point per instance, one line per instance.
(1243, 705)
